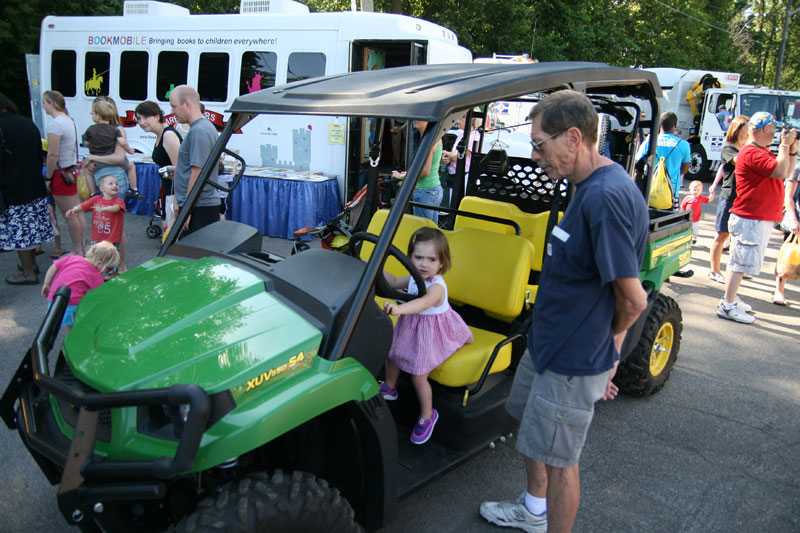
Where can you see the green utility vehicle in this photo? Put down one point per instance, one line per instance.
(218, 386)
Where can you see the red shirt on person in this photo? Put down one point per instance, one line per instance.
(758, 196)
(695, 205)
(106, 226)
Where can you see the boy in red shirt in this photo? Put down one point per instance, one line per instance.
(107, 212)
(694, 203)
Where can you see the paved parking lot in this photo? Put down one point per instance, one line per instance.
(715, 450)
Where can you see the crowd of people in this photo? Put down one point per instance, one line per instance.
(39, 176)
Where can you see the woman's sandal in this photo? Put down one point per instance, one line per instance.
(19, 279)
(779, 300)
(56, 255)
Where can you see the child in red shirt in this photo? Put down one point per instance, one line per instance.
(107, 212)
(80, 274)
(694, 203)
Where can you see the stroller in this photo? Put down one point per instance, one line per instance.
(156, 224)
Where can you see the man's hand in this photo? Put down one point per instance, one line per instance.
(611, 389)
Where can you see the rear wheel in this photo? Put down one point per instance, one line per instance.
(281, 503)
(699, 163)
(645, 371)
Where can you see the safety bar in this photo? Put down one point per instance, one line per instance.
(489, 364)
(470, 214)
(176, 395)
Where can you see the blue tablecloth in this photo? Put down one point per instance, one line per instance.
(275, 207)
(148, 185)
(278, 207)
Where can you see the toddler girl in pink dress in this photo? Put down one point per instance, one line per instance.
(428, 330)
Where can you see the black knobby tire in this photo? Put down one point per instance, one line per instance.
(645, 371)
(603, 129)
(280, 503)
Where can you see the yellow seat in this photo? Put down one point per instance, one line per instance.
(466, 365)
(532, 226)
(489, 271)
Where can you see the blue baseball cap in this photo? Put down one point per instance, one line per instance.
(762, 119)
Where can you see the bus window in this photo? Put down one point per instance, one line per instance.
(304, 65)
(258, 71)
(95, 73)
(62, 72)
(212, 77)
(172, 71)
(133, 76)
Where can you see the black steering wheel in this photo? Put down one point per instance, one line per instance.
(382, 287)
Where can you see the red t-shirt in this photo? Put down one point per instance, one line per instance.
(695, 205)
(106, 226)
(78, 274)
(758, 196)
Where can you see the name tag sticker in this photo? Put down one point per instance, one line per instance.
(549, 249)
(560, 234)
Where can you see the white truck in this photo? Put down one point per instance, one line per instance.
(696, 97)
(155, 46)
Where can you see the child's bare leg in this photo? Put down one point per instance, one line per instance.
(424, 394)
(123, 248)
(89, 177)
(131, 170)
(392, 373)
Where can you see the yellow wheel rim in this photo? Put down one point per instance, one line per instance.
(662, 347)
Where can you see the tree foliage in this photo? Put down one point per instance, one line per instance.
(726, 35)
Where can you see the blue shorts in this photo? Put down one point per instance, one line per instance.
(118, 172)
(723, 214)
(69, 315)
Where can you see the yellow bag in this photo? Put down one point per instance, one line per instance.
(83, 187)
(789, 259)
(661, 192)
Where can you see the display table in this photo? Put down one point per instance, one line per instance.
(275, 206)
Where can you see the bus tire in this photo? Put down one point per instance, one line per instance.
(645, 371)
(280, 503)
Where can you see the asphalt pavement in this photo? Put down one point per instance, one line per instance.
(715, 450)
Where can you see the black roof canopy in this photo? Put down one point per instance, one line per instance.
(431, 92)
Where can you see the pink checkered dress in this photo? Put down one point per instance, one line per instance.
(424, 341)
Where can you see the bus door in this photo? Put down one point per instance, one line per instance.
(397, 144)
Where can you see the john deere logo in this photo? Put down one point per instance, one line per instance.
(296, 361)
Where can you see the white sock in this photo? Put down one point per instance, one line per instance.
(537, 506)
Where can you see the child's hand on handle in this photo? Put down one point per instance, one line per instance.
(391, 308)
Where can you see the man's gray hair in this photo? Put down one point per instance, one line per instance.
(567, 109)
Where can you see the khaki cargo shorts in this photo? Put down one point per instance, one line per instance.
(749, 240)
(554, 411)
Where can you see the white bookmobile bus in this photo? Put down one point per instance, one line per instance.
(154, 47)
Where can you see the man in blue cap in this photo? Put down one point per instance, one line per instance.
(758, 206)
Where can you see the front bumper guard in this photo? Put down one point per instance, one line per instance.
(86, 478)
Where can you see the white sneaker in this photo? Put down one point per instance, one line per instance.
(745, 308)
(514, 514)
(735, 314)
(716, 276)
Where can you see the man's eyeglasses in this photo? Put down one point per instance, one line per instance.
(537, 146)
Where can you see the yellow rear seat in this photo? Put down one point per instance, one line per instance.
(489, 271)
(532, 226)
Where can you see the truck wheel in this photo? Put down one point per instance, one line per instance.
(698, 166)
(281, 503)
(647, 368)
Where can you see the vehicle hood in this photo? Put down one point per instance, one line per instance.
(173, 321)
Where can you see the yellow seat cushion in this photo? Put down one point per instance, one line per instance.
(466, 365)
(532, 226)
(489, 271)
